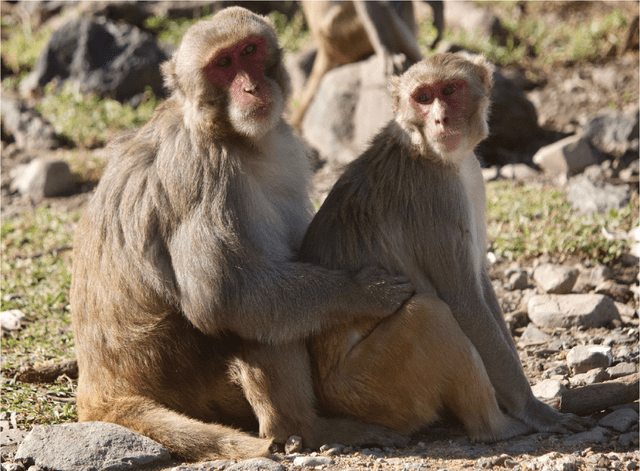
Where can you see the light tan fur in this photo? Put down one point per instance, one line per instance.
(417, 207)
(189, 312)
(346, 32)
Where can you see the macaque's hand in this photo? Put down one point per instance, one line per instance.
(391, 291)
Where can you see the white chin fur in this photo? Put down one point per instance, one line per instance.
(458, 153)
(414, 137)
(253, 127)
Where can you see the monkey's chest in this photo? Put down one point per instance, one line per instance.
(275, 225)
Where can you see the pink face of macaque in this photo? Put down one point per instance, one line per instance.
(445, 108)
(240, 70)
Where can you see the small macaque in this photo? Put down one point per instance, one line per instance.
(414, 203)
(190, 314)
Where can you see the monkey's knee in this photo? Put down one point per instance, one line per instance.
(472, 399)
(276, 380)
(459, 370)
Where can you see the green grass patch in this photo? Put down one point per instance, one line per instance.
(40, 404)
(293, 34)
(170, 31)
(88, 120)
(499, 54)
(427, 33)
(554, 44)
(525, 222)
(40, 275)
(22, 46)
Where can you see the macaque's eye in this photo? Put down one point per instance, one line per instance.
(424, 97)
(224, 62)
(250, 49)
(449, 89)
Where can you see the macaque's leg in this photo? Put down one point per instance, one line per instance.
(321, 66)
(407, 368)
(277, 382)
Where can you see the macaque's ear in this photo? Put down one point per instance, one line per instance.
(485, 71)
(169, 73)
(394, 91)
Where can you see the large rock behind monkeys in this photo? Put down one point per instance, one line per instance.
(351, 105)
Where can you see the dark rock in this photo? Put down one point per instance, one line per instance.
(133, 13)
(626, 440)
(596, 435)
(621, 420)
(111, 59)
(513, 121)
(612, 132)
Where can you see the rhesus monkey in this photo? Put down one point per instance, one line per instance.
(189, 313)
(346, 32)
(414, 202)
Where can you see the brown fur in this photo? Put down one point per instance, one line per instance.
(419, 211)
(189, 313)
(346, 32)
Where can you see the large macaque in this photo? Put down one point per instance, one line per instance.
(414, 202)
(190, 316)
(346, 32)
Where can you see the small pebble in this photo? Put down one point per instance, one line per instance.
(312, 461)
(293, 445)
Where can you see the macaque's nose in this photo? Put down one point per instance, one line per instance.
(440, 113)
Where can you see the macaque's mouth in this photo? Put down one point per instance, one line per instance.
(448, 140)
(447, 135)
(262, 111)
